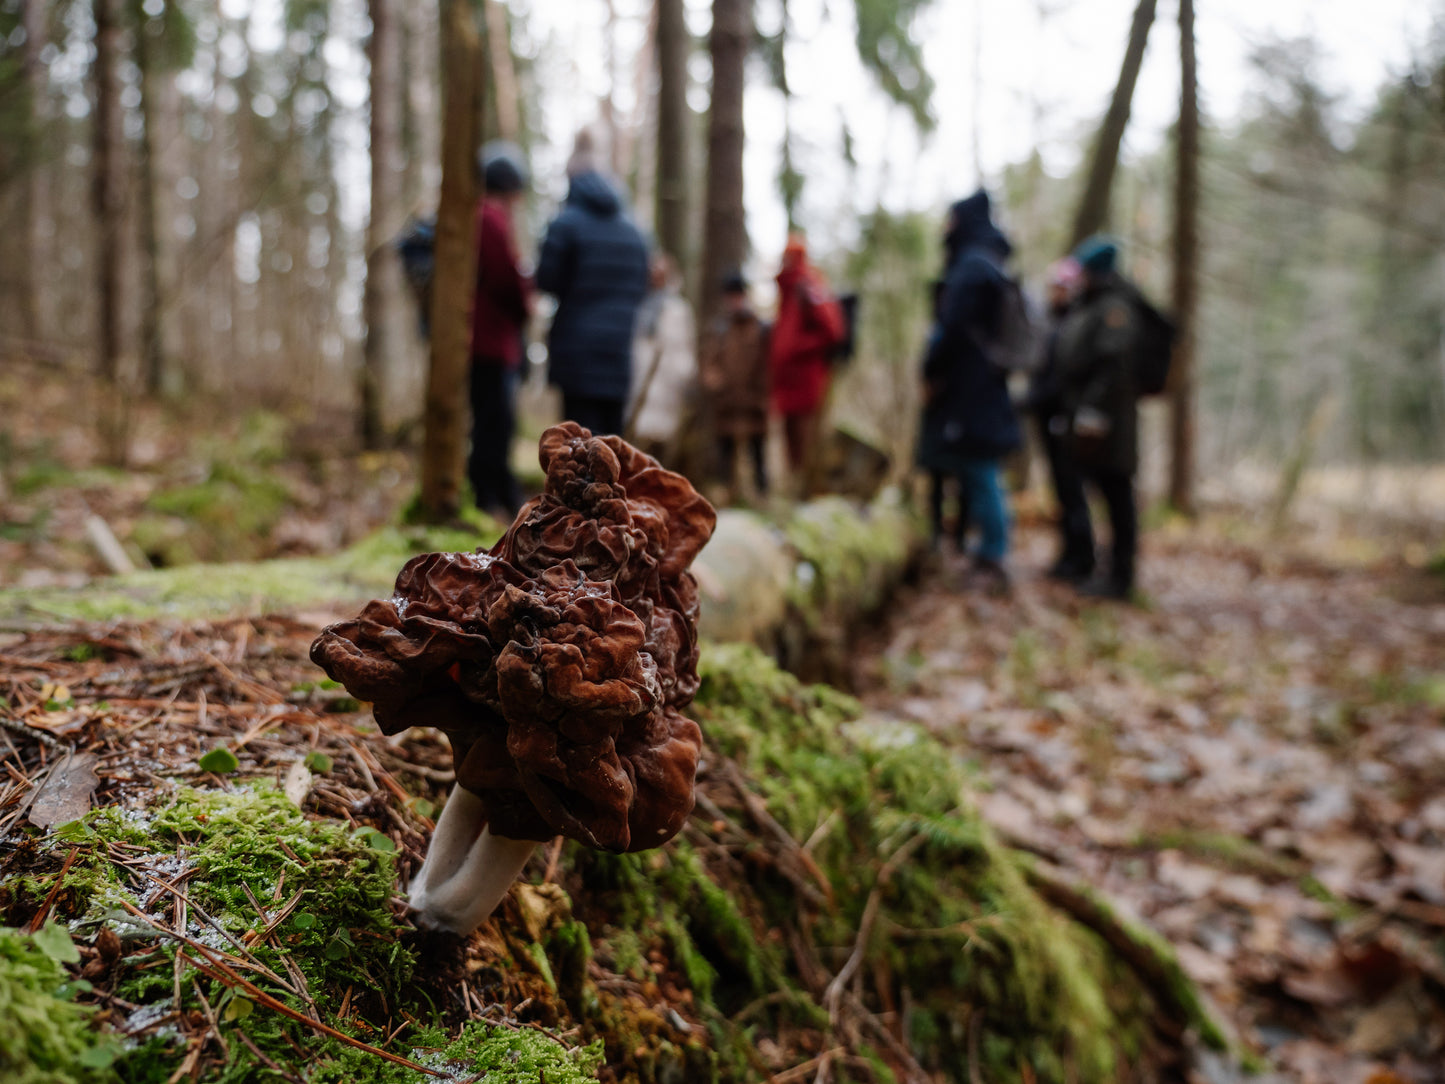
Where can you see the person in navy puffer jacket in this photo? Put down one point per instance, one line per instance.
(594, 261)
(969, 424)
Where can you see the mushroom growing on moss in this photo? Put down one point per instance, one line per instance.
(558, 664)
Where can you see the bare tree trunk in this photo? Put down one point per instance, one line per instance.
(37, 209)
(108, 206)
(422, 128)
(725, 239)
(672, 171)
(1093, 213)
(504, 73)
(1186, 273)
(157, 102)
(385, 346)
(444, 440)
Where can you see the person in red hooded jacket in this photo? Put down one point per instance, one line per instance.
(500, 308)
(810, 325)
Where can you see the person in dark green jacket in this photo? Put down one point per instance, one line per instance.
(1097, 345)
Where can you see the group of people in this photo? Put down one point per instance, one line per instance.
(621, 352)
(622, 348)
(1083, 397)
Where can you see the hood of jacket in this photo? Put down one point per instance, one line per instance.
(972, 227)
(594, 193)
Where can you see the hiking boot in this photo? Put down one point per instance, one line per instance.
(1107, 588)
(1070, 570)
(992, 575)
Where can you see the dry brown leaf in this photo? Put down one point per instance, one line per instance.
(65, 795)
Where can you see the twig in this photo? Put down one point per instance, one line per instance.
(759, 812)
(267, 1062)
(865, 925)
(44, 912)
(365, 769)
(552, 857)
(798, 1072)
(210, 1017)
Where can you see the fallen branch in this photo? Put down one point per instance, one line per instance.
(1147, 953)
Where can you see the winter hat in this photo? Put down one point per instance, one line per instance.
(1098, 254)
(503, 168)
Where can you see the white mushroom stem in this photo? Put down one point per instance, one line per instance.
(467, 871)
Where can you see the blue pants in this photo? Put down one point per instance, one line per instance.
(981, 494)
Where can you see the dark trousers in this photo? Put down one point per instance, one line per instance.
(602, 416)
(727, 455)
(1076, 534)
(937, 494)
(494, 422)
(1117, 489)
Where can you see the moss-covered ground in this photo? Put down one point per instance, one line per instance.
(833, 900)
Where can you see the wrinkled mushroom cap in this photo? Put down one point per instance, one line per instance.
(559, 662)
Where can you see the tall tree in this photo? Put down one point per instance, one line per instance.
(444, 439)
(37, 210)
(1186, 271)
(725, 238)
(672, 170)
(108, 206)
(422, 123)
(508, 102)
(163, 44)
(1093, 212)
(385, 345)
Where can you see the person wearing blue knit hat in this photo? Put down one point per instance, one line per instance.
(1098, 255)
(1097, 346)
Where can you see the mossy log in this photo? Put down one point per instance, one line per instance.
(834, 903)
(800, 590)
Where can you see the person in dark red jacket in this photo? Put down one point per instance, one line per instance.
(810, 325)
(500, 308)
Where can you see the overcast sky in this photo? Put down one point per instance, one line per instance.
(1042, 80)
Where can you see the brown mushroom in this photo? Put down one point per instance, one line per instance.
(558, 664)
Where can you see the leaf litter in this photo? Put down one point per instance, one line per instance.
(1253, 762)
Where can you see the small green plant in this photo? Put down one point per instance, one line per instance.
(219, 760)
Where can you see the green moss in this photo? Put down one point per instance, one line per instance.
(851, 557)
(230, 848)
(364, 570)
(958, 926)
(45, 1038)
(1233, 852)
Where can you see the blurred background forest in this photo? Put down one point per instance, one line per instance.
(198, 200)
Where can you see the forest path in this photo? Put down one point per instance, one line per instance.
(1254, 762)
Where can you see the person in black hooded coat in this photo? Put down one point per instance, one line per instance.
(969, 424)
(594, 262)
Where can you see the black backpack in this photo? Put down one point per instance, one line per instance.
(1155, 348)
(848, 345)
(416, 245)
(1015, 342)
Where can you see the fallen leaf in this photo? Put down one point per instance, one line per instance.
(297, 783)
(65, 795)
(1388, 1026)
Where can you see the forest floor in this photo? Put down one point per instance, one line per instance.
(1253, 761)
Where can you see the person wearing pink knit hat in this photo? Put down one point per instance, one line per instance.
(1045, 401)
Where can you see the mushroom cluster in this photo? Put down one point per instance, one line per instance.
(558, 664)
